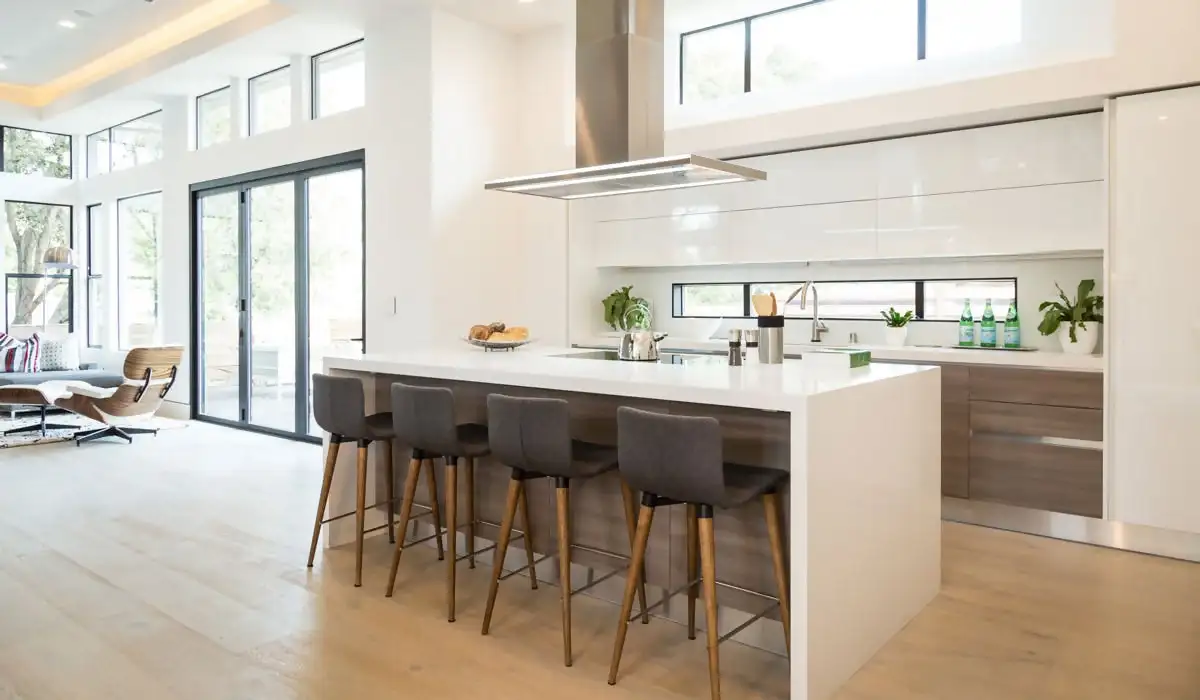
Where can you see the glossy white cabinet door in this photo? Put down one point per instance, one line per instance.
(842, 174)
(1020, 221)
(1154, 331)
(783, 234)
(1047, 151)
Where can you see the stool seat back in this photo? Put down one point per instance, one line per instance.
(531, 434)
(675, 457)
(424, 418)
(339, 407)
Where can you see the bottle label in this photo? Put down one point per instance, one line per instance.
(1012, 336)
(987, 336)
(966, 334)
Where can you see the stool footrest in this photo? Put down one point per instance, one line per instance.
(728, 635)
(427, 510)
(514, 572)
(597, 582)
(671, 594)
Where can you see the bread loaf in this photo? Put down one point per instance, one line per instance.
(480, 332)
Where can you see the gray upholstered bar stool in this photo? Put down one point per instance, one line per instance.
(338, 408)
(678, 459)
(533, 437)
(424, 418)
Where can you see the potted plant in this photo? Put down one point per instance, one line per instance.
(897, 326)
(1077, 322)
(625, 312)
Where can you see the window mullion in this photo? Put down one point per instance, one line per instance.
(922, 26)
(746, 77)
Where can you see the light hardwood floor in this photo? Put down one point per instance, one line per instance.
(174, 568)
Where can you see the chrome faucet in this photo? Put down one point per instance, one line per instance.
(817, 326)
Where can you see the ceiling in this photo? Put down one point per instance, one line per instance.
(512, 15)
(36, 49)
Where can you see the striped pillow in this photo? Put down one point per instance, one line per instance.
(20, 355)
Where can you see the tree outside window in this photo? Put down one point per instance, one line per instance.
(139, 228)
(32, 229)
(28, 152)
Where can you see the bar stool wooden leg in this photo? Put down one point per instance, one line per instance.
(360, 511)
(563, 497)
(779, 557)
(389, 478)
(326, 482)
(636, 562)
(533, 582)
(631, 525)
(451, 532)
(431, 483)
(469, 478)
(693, 567)
(410, 492)
(708, 565)
(506, 526)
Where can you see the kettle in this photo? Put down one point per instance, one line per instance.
(638, 344)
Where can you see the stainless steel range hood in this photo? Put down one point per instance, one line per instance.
(619, 113)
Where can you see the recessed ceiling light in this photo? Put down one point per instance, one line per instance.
(66, 23)
(3, 66)
(525, 2)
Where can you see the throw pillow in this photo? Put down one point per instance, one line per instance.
(60, 354)
(20, 355)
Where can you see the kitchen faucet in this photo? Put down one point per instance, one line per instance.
(817, 326)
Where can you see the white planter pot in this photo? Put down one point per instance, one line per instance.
(1086, 338)
(895, 337)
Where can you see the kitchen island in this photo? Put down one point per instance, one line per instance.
(862, 448)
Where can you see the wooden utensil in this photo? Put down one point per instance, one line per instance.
(774, 305)
(761, 304)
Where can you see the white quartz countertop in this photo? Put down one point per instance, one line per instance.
(778, 387)
(1037, 359)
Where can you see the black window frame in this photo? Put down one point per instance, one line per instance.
(90, 275)
(250, 98)
(314, 92)
(919, 297)
(70, 150)
(117, 305)
(748, 21)
(31, 275)
(196, 111)
(109, 130)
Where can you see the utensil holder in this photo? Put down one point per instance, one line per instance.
(770, 340)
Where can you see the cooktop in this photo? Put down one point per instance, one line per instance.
(665, 358)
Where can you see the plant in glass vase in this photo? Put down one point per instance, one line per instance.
(625, 312)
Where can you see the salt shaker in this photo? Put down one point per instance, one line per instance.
(750, 341)
(735, 347)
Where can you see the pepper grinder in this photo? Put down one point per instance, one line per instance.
(750, 343)
(735, 347)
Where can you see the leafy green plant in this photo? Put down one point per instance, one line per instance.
(895, 319)
(1086, 308)
(624, 312)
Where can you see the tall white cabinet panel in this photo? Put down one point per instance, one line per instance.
(1043, 152)
(1154, 345)
(995, 222)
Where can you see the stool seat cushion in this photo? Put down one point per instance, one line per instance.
(588, 459)
(379, 427)
(472, 440)
(744, 483)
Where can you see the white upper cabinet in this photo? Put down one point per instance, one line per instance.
(843, 174)
(1043, 152)
(1027, 220)
(1153, 332)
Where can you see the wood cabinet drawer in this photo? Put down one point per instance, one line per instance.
(1038, 387)
(956, 431)
(1037, 475)
(1037, 421)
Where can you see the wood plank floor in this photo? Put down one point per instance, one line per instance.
(174, 568)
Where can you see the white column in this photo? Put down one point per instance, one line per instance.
(401, 277)
(301, 74)
(239, 114)
(175, 239)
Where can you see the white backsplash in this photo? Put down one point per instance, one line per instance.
(1035, 283)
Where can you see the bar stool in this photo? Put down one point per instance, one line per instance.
(678, 459)
(532, 436)
(338, 408)
(423, 417)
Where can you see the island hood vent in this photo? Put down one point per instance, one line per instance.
(619, 92)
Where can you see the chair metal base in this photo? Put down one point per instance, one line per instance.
(41, 426)
(125, 433)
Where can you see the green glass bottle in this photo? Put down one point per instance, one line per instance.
(966, 326)
(1012, 327)
(987, 326)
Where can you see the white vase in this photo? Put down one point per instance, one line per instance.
(1086, 336)
(895, 337)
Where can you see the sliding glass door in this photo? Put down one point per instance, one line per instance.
(279, 284)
